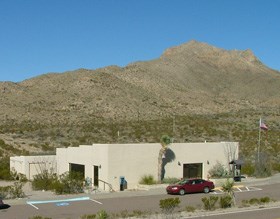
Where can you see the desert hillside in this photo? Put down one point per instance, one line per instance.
(193, 92)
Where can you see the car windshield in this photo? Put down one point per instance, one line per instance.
(183, 181)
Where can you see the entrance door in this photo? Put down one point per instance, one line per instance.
(192, 170)
(95, 176)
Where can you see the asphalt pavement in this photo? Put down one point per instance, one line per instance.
(142, 190)
(130, 197)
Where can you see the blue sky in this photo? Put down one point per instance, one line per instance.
(42, 36)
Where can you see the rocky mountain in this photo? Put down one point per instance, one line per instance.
(190, 79)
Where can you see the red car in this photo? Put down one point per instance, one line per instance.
(190, 186)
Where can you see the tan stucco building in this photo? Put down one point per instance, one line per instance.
(104, 164)
(32, 165)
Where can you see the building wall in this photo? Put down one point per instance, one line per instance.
(87, 155)
(133, 161)
(32, 165)
(114, 160)
(206, 153)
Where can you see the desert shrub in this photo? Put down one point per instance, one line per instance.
(102, 215)
(190, 209)
(39, 217)
(263, 166)
(13, 191)
(225, 201)
(276, 167)
(4, 191)
(88, 216)
(170, 180)
(138, 213)
(227, 187)
(46, 147)
(209, 203)
(5, 168)
(125, 214)
(265, 200)
(133, 214)
(16, 190)
(65, 144)
(168, 205)
(22, 178)
(248, 169)
(18, 176)
(254, 201)
(218, 170)
(44, 181)
(245, 203)
(147, 180)
(69, 183)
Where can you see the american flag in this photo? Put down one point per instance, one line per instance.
(263, 125)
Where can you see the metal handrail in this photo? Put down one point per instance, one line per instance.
(108, 184)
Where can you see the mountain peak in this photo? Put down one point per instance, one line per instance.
(205, 52)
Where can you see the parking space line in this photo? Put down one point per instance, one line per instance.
(96, 201)
(255, 189)
(32, 203)
(239, 188)
(33, 206)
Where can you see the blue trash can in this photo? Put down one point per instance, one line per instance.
(122, 183)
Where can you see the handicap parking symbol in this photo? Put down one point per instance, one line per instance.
(62, 204)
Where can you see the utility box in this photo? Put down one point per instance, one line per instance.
(122, 183)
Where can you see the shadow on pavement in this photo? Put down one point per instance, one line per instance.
(4, 206)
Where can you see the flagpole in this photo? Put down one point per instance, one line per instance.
(259, 143)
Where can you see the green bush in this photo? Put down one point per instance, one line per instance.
(168, 205)
(147, 180)
(276, 167)
(69, 183)
(190, 209)
(265, 200)
(88, 216)
(225, 201)
(16, 190)
(5, 168)
(102, 215)
(44, 181)
(218, 171)
(138, 213)
(170, 180)
(254, 201)
(4, 191)
(227, 187)
(209, 203)
(248, 168)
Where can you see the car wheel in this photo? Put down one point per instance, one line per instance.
(206, 189)
(182, 192)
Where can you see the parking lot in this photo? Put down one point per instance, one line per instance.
(73, 206)
(236, 189)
